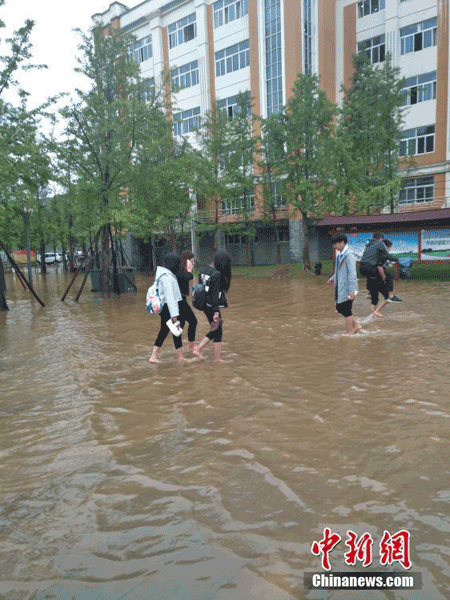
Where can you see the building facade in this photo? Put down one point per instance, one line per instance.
(215, 50)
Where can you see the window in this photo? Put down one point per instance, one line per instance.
(226, 11)
(147, 91)
(232, 58)
(375, 48)
(186, 121)
(414, 38)
(234, 238)
(307, 35)
(417, 141)
(283, 233)
(274, 73)
(367, 7)
(185, 76)
(142, 49)
(417, 190)
(277, 200)
(238, 205)
(182, 31)
(420, 89)
(231, 107)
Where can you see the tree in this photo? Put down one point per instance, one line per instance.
(24, 150)
(308, 128)
(271, 154)
(368, 137)
(210, 186)
(238, 176)
(109, 132)
(161, 194)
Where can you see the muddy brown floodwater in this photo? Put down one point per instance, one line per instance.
(121, 479)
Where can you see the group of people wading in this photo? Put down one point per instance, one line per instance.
(373, 264)
(176, 274)
(174, 279)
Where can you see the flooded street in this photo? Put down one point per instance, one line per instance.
(122, 479)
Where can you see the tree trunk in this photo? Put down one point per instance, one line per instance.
(105, 255)
(114, 262)
(3, 305)
(306, 260)
(43, 263)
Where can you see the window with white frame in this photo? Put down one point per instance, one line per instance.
(186, 121)
(226, 11)
(420, 89)
(239, 205)
(142, 49)
(233, 58)
(375, 48)
(414, 38)
(231, 107)
(277, 200)
(182, 31)
(185, 76)
(417, 190)
(147, 90)
(419, 140)
(367, 7)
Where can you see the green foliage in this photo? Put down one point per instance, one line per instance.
(210, 186)
(308, 127)
(308, 138)
(125, 167)
(367, 138)
(25, 164)
(271, 151)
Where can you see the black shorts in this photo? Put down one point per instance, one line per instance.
(345, 308)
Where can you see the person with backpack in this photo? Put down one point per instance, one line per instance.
(372, 267)
(170, 295)
(184, 276)
(345, 282)
(389, 278)
(216, 279)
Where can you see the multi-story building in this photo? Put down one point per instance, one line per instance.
(217, 49)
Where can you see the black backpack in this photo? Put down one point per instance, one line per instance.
(199, 294)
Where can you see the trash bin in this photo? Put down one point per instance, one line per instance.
(404, 267)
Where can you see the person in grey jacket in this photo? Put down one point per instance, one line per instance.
(345, 283)
(169, 292)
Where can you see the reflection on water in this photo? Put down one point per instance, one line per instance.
(121, 479)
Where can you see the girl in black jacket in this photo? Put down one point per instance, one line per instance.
(216, 277)
(184, 276)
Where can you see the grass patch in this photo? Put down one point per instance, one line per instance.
(296, 271)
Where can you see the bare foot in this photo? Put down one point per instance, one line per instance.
(197, 353)
(359, 329)
(153, 359)
(377, 314)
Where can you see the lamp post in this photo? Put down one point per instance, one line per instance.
(26, 214)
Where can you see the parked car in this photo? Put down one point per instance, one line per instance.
(50, 258)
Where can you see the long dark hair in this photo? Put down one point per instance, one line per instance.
(222, 262)
(172, 262)
(184, 257)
